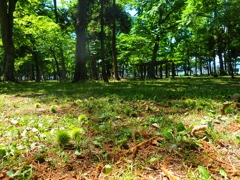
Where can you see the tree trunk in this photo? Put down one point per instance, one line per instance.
(220, 57)
(36, 59)
(214, 65)
(104, 73)
(7, 7)
(173, 70)
(154, 57)
(31, 69)
(57, 64)
(80, 64)
(230, 59)
(166, 70)
(114, 50)
(160, 71)
(63, 72)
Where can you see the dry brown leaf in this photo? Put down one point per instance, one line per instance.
(198, 128)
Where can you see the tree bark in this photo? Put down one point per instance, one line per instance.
(154, 57)
(57, 64)
(114, 50)
(104, 73)
(7, 7)
(36, 59)
(80, 64)
(220, 57)
(63, 72)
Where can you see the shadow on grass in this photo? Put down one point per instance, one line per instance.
(157, 90)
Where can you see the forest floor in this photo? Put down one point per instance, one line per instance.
(183, 128)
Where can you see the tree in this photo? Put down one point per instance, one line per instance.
(155, 20)
(104, 73)
(7, 8)
(80, 64)
(114, 50)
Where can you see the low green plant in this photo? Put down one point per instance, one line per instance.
(127, 111)
(205, 174)
(63, 137)
(2, 153)
(229, 110)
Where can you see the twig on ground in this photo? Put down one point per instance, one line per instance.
(165, 170)
(98, 170)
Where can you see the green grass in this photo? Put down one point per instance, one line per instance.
(105, 120)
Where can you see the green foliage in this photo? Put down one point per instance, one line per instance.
(127, 111)
(63, 137)
(205, 174)
(2, 153)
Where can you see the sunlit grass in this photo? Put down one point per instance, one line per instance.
(103, 116)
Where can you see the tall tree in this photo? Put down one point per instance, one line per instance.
(114, 50)
(63, 73)
(80, 63)
(104, 73)
(7, 8)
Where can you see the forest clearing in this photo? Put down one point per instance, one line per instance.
(154, 129)
(119, 90)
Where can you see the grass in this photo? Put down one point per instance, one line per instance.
(138, 128)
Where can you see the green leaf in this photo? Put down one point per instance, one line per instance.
(153, 160)
(223, 173)
(180, 127)
(204, 173)
(78, 152)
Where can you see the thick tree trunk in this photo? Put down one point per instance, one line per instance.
(104, 73)
(80, 64)
(7, 7)
(154, 57)
(114, 50)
